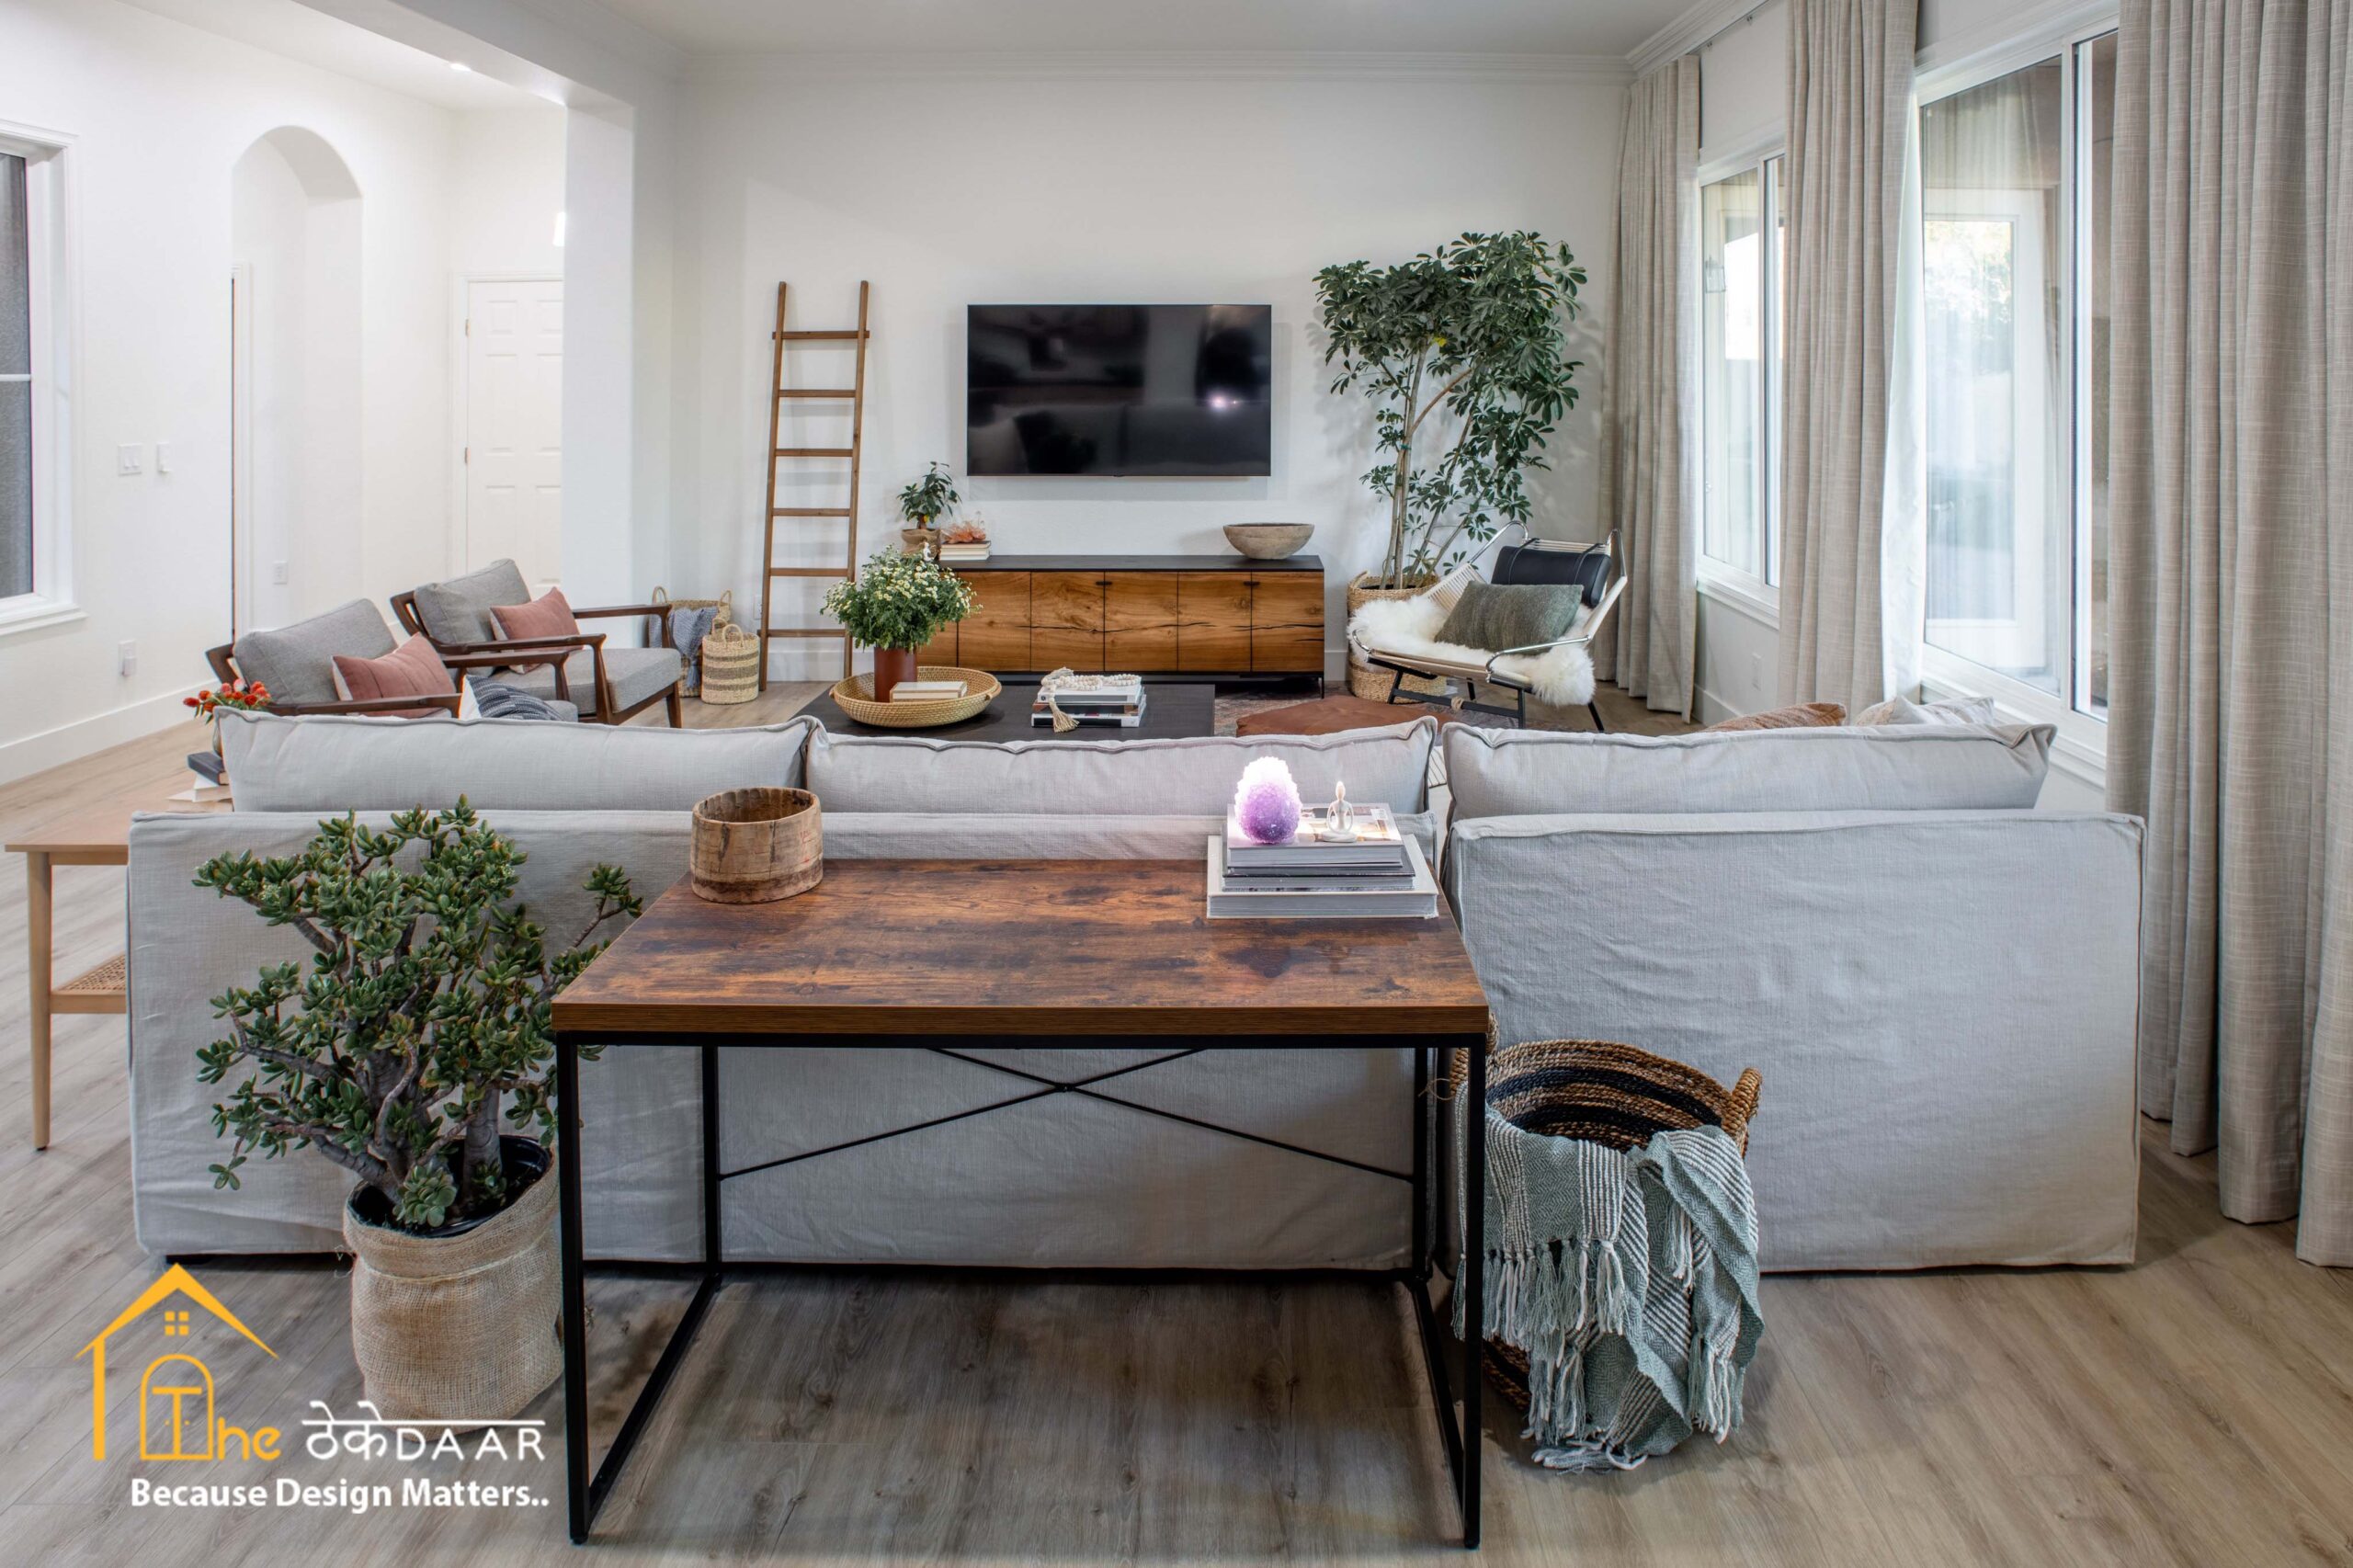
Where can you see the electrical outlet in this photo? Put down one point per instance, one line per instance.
(1756, 674)
(130, 458)
(127, 656)
(278, 571)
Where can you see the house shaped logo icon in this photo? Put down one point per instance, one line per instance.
(176, 1392)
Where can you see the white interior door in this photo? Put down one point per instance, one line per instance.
(514, 425)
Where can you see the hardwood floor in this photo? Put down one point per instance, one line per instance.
(2195, 1409)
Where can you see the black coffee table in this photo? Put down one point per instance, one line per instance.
(1173, 711)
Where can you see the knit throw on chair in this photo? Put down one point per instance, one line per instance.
(1628, 1279)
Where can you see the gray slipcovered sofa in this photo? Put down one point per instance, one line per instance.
(1936, 982)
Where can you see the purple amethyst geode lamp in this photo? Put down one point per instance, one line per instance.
(1266, 803)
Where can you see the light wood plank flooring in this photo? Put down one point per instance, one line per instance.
(2195, 1409)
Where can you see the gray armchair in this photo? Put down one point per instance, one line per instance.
(609, 685)
(296, 663)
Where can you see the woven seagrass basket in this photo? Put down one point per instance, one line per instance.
(1606, 1092)
(731, 665)
(725, 607)
(856, 697)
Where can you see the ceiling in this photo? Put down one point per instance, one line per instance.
(291, 29)
(1614, 27)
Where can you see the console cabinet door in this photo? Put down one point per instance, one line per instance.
(1139, 621)
(942, 649)
(996, 635)
(1214, 622)
(1066, 620)
(1287, 622)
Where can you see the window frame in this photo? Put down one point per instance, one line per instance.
(2082, 734)
(48, 156)
(1759, 594)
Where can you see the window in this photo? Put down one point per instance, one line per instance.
(2013, 174)
(16, 380)
(1740, 347)
(33, 435)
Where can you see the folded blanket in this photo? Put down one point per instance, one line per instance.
(1629, 1279)
(687, 629)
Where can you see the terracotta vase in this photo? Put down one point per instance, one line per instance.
(892, 666)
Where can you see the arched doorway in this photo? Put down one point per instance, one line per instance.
(294, 322)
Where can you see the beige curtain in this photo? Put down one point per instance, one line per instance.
(1849, 110)
(2232, 723)
(1650, 439)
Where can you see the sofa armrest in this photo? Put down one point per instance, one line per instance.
(1943, 1005)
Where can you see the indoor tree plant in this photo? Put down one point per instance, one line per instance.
(895, 605)
(1463, 354)
(422, 1019)
(927, 500)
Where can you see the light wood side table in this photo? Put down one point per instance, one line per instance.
(99, 836)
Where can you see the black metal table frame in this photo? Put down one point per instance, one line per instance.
(586, 1492)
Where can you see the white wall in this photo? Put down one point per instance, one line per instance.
(159, 113)
(1114, 183)
(505, 188)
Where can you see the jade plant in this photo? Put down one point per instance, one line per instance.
(1462, 353)
(422, 1016)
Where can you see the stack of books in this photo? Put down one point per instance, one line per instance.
(1374, 872)
(977, 551)
(928, 690)
(206, 782)
(1111, 702)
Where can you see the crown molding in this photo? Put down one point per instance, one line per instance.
(1686, 32)
(1073, 65)
(606, 28)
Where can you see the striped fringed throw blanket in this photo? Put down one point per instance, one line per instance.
(1628, 1279)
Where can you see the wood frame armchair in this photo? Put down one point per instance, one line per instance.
(225, 669)
(520, 651)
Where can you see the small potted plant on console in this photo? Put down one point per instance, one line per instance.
(420, 1023)
(923, 504)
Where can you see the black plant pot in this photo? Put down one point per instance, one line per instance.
(526, 1161)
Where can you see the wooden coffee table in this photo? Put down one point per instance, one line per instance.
(1172, 710)
(949, 955)
(99, 836)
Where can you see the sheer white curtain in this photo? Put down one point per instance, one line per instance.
(2231, 455)
(1649, 439)
(1849, 111)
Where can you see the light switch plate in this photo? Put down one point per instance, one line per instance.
(278, 571)
(127, 657)
(130, 458)
(162, 456)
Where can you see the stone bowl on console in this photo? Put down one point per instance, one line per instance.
(1268, 541)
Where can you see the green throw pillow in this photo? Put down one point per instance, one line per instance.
(1517, 614)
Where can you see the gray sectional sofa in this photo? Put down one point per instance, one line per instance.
(1936, 981)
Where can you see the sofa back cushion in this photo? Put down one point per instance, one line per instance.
(338, 765)
(1192, 777)
(297, 662)
(1496, 773)
(459, 611)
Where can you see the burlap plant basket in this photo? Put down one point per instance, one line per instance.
(1363, 680)
(460, 1328)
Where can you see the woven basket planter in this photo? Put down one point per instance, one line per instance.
(459, 1325)
(1604, 1093)
(1363, 680)
(731, 665)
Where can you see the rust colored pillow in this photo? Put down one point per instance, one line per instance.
(413, 669)
(550, 615)
(1805, 716)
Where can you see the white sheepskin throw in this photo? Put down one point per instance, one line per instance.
(1407, 628)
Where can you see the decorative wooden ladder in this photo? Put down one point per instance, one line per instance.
(855, 395)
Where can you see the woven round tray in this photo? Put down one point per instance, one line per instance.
(856, 697)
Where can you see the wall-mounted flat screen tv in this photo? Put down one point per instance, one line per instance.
(1140, 389)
